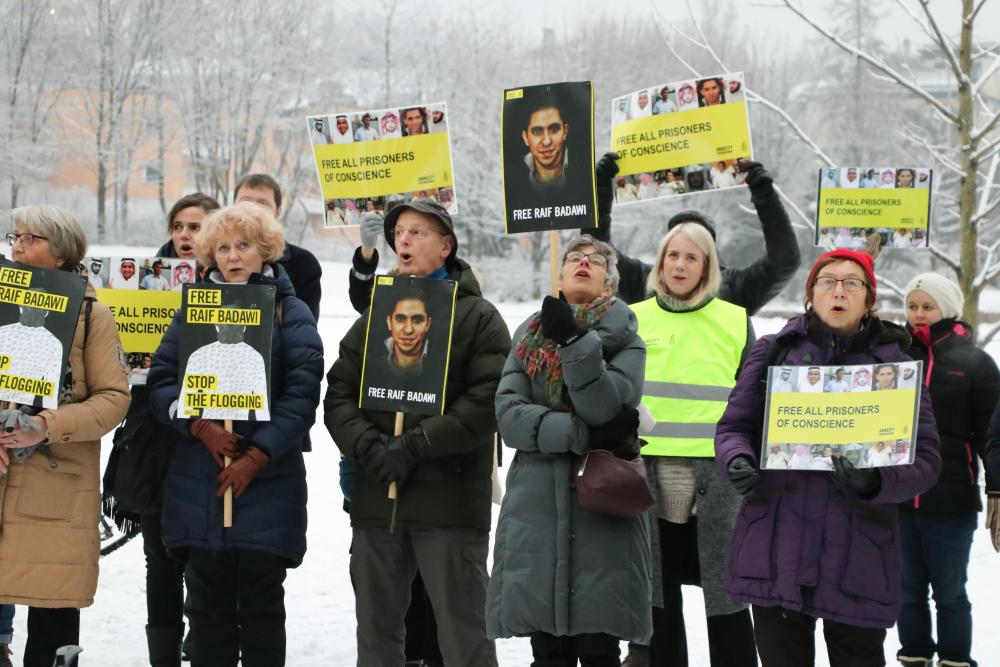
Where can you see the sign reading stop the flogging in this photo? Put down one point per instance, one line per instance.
(367, 160)
(408, 345)
(681, 137)
(866, 413)
(225, 352)
(855, 202)
(39, 310)
(547, 146)
(143, 294)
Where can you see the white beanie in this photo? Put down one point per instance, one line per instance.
(945, 293)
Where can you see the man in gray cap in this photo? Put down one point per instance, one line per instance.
(441, 464)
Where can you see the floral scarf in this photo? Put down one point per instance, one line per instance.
(541, 355)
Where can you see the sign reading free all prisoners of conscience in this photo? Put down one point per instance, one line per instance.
(226, 352)
(893, 202)
(143, 294)
(681, 137)
(369, 160)
(39, 310)
(866, 413)
(408, 345)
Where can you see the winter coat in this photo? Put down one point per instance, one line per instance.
(716, 505)
(991, 462)
(559, 568)
(750, 287)
(451, 486)
(964, 387)
(49, 544)
(799, 541)
(271, 515)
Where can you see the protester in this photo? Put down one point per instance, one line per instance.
(437, 459)
(807, 544)
(688, 376)
(937, 526)
(235, 575)
(570, 385)
(749, 287)
(165, 574)
(301, 266)
(48, 547)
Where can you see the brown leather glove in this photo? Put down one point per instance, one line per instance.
(241, 472)
(993, 519)
(216, 439)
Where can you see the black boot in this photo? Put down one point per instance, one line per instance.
(164, 644)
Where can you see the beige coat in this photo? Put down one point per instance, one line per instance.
(49, 544)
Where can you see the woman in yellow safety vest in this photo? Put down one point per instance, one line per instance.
(695, 344)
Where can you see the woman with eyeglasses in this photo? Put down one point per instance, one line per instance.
(695, 344)
(575, 581)
(812, 544)
(50, 461)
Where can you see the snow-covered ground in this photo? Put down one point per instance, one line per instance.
(319, 598)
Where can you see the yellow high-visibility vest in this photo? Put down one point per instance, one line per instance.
(691, 363)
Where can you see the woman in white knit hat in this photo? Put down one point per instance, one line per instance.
(937, 526)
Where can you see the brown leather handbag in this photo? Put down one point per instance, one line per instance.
(612, 485)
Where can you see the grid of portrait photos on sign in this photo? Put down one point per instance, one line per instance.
(873, 178)
(159, 274)
(834, 379)
(396, 123)
(680, 96)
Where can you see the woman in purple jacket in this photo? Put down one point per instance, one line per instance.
(810, 544)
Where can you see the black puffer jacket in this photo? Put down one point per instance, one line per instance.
(750, 287)
(964, 384)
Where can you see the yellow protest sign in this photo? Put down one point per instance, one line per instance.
(817, 412)
(365, 160)
(681, 137)
(855, 202)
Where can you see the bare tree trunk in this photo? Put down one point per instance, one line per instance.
(969, 237)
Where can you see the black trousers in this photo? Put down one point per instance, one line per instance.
(421, 628)
(48, 630)
(730, 636)
(786, 638)
(237, 605)
(592, 650)
(164, 577)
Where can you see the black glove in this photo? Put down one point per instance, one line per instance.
(604, 176)
(558, 322)
(369, 455)
(742, 474)
(402, 455)
(863, 482)
(758, 180)
(617, 432)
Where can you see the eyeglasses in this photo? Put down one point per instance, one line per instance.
(596, 258)
(26, 238)
(828, 284)
(418, 233)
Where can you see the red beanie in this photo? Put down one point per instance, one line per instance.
(859, 257)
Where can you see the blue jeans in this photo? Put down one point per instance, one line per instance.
(936, 549)
(6, 623)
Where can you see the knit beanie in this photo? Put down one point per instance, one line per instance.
(862, 259)
(945, 293)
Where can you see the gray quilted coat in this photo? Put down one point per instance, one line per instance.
(558, 568)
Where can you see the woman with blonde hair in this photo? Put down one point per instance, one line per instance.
(235, 575)
(695, 344)
(50, 461)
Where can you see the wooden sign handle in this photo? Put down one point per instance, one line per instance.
(554, 262)
(397, 430)
(227, 499)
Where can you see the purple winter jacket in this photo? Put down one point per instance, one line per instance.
(799, 541)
